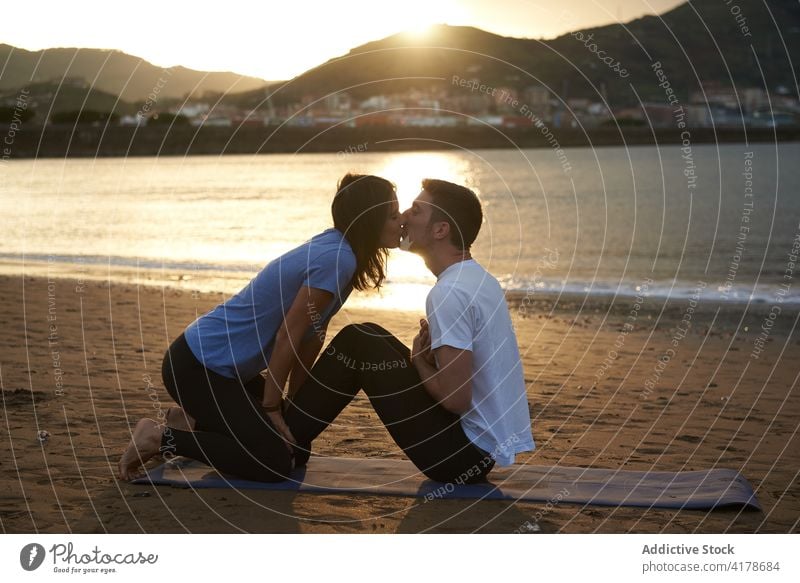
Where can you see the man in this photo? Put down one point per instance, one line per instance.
(456, 403)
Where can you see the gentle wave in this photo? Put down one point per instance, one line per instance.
(668, 290)
(138, 262)
(230, 277)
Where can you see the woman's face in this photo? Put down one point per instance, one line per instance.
(390, 235)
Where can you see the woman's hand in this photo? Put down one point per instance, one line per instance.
(276, 417)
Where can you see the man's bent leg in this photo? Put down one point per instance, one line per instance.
(367, 356)
(430, 435)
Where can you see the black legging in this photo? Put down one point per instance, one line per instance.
(232, 433)
(366, 356)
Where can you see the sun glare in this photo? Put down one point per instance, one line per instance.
(419, 18)
(407, 170)
(419, 30)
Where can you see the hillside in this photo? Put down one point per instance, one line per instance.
(697, 42)
(115, 72)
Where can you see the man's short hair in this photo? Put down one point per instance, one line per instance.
(458, 206)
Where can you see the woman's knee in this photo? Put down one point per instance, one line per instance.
(265, 446)
(269, 464)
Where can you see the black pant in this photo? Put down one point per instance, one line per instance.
(232, 433)
(366, 356)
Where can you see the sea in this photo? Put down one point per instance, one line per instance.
(603, 222)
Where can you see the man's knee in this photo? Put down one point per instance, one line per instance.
(354, 333)
(375, 330)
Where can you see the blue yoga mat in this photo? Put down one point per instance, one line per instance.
(705, 489)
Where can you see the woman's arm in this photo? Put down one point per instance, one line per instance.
(307, 355)
(307, 307)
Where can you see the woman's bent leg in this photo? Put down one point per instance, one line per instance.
(235, 437)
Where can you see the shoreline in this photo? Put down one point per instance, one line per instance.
(188, 280)
(88, 141)
(711, 405)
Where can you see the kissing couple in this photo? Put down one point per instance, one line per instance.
(254, 387)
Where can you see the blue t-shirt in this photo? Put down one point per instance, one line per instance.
(236, 338)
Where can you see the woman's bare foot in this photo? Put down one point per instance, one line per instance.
(144, 445)
(179, 419)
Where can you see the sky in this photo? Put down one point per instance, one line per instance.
(278, 40)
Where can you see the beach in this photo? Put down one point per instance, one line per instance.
(636, 383)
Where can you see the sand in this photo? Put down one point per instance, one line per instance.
(81, 360)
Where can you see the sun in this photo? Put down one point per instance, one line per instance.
(420, 19)
(419, 30)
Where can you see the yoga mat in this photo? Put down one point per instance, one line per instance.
(705, 489)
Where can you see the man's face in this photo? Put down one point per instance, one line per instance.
(392, 228)
(417, 229)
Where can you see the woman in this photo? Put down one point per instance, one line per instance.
(230, 415)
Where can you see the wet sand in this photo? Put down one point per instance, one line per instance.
(82, 362)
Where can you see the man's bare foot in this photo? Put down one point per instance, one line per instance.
(144, 445)
(179, 419)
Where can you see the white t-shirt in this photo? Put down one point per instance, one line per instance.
(467, 310)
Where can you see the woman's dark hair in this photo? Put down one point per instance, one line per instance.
(456, 205)
(360, 209)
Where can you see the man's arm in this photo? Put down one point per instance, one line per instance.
(450, 384)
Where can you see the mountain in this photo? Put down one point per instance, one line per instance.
(46, 99)
(699, 42)
(111, 71)
(750, 43)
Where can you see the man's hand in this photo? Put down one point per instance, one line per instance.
(450, 381)
(421, 347)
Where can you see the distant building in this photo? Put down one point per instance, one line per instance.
(193, 110)
(754, 98)
(714, 92)
(516, 121)
(629, 114)
(374, 119)
(714, 114)
(658, 115)
(430, 121)
(212, 121)
(376, 103)
(773, 118)
(504, 99)
(338, 102)
(537, 95)
(136, 120)
(578, 103)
